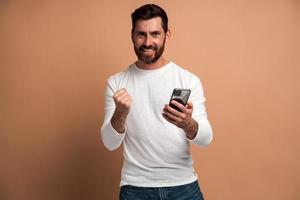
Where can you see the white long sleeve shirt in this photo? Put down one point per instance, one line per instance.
(156, 152)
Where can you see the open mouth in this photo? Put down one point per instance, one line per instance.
(147, 50)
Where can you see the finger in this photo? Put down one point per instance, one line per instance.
(127, 100)
(173, 111)
(120, 92)
(124, 104)
(168, 119)
(189, 105)
(179, 105)
(172, 116)
(121, 95)
(169, 109)
(123, 98)
(189, 108)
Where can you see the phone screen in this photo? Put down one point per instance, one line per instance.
(181, 96)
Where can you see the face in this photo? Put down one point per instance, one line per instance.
(149, 40)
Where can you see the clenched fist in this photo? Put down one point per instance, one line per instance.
(123, 102)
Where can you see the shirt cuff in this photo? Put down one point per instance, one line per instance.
(116, 132)
(204, 134)
(111, 138)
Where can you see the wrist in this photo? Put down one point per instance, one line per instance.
(191, 129)
(118, 121)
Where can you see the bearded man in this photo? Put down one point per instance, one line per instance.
(156, 137)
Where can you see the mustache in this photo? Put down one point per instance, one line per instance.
(144, 47)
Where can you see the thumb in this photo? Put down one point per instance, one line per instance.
(189, 105)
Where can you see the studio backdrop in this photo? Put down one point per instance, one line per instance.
(55, 58)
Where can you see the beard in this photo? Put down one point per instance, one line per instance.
(149, 59)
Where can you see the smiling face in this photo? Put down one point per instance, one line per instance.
(149, 40)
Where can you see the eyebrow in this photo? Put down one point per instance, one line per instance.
(152, 32)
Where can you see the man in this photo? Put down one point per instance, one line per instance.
(157, 161)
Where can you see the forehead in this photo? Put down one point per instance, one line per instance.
(153, 24)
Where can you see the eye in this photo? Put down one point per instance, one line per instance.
(155, 34)
(140, 34)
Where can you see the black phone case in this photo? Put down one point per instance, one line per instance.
(180, 95)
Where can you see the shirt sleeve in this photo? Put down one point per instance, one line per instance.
(204, 134)
(110, 137)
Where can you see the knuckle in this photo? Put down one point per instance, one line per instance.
(118, 99)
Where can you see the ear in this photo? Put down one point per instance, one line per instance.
(132, 35)
(168, 35)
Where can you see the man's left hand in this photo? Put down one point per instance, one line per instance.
(182, 119)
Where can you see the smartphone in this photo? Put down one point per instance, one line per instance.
(180, 95)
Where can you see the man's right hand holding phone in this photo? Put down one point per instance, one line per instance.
(123, 102)
(182, 118)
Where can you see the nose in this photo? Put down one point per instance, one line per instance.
(148, 41)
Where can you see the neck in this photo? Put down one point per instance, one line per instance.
(157, 64)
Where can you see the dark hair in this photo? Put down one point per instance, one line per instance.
(149, 11)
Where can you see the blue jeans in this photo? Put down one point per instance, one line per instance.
(189, 191)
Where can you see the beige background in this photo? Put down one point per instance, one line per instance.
(55, 57)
